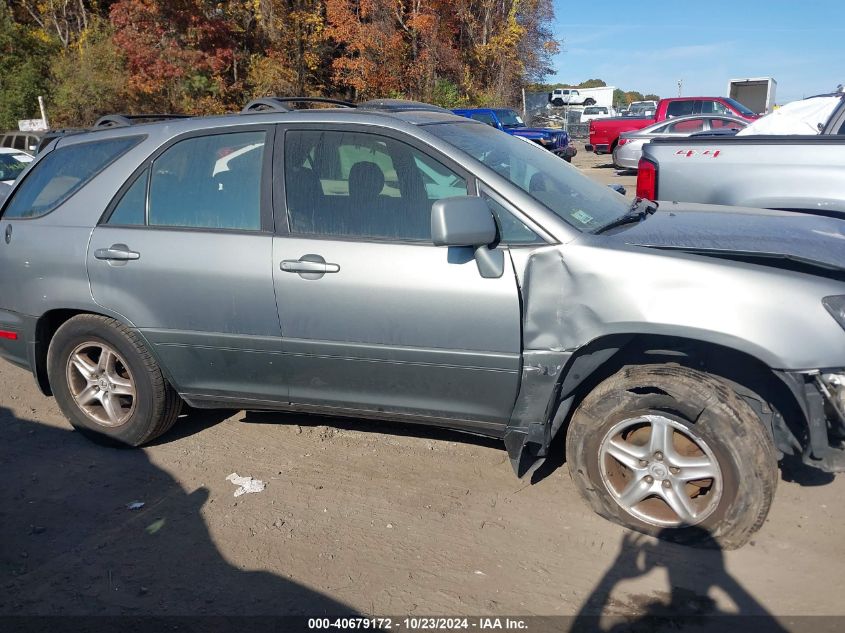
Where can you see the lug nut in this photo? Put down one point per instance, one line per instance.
(667, 483)
(658, 456)
(643, 463)
(649, 479)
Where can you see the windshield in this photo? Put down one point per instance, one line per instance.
(509, 118)
(736, 105)
(579, 201)
(13, 164)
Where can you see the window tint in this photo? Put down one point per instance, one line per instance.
(484, 117)
(61, 173)
(131, 210)
(20, 142)
(842, 128)
(350, 184)
(209, 182)
(679, 108)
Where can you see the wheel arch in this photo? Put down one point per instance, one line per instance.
(756, 382)
(45, 328)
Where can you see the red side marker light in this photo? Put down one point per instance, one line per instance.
(8, 334)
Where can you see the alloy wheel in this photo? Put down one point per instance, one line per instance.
(101, 384)
(660, 471)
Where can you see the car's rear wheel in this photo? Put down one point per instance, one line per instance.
(589, 102)
(107, 383)
(668, 450)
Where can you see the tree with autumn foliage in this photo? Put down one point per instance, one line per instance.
(89, 57)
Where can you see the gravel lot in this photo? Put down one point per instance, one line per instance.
(361, 516)
(601, 169)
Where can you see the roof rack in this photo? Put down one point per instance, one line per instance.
(400, 105)
(279, 104)
(125, 120)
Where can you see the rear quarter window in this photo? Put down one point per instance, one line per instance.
(63, 172)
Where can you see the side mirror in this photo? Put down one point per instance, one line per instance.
(468, 221)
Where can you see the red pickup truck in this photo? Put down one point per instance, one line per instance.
(604, 133)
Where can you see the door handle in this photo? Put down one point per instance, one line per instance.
(306, 266)
(117, 252)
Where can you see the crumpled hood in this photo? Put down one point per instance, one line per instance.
(722, 230)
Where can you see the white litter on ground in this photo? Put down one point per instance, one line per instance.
(135, 505)
(245, 485)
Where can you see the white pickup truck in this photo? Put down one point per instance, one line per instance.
(797, 172)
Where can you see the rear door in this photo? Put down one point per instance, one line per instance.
(184, 253)
(374, 317)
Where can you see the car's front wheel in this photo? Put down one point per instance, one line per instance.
(668, 450)
(107, 383)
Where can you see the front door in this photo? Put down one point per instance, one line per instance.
(374, 316)
(185, 255)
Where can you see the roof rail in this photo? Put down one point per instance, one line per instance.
(278, 104)
(125, 120)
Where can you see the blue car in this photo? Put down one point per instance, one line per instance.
(556, 141)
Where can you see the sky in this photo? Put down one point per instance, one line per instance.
(648, 46)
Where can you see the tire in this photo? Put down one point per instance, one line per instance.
(712, 430)
(557, 102)
(589, 102)
(107, 383)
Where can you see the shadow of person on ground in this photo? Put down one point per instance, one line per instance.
(693, 573)
(70, 546)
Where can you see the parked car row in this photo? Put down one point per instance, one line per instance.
(604, 134)
(629, 147)
(795, 172)
(396, 261)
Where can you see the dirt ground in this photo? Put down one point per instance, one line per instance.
(601, 169)
(358, 516)
(364, 517)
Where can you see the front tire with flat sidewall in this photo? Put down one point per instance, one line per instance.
(673, 452)
(107, 383)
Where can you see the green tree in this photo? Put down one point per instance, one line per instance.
(592, 83)
(619, 100)
(633, 95)
(24, 69)
(88, 78)
(651, 97)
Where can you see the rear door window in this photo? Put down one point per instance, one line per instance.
(20, 142)
(679, 108)
(687, 126)
(132, 208)
(210, 182)
(63, 172)
(718, 124)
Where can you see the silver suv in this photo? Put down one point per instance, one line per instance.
(404, 263)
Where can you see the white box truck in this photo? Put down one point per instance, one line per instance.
(755, 93)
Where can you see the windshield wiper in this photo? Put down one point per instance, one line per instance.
(640, 209)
